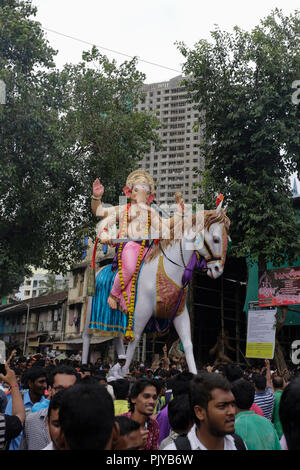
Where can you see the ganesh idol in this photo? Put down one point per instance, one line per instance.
(138, 224)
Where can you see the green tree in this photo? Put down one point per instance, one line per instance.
(108, 134)
(242, 82)
(58, 132)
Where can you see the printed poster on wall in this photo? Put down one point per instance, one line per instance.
(279, 287)
(261, 331)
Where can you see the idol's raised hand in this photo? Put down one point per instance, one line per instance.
(98, 188)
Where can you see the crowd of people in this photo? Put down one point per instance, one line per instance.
(50, 403)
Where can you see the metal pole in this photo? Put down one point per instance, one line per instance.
(144, 348)
(222, 314)
(26, 329)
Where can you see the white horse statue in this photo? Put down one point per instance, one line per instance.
(161, 288)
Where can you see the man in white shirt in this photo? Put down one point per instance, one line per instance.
(116, 370)
(214, 410)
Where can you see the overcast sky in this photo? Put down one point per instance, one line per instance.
(145, 29)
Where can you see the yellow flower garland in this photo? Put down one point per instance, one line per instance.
(130, 303)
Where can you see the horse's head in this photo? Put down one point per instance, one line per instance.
(213, 242)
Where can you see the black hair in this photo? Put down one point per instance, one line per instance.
(89, 379)
(180, 383)
(32, 374)
(126, 425)
(233, 372)
(121, 388)
(39, 363)
(55, 402)
(85, 368)
(201, 387)
(180, 414)
(163, 373)
(161, 383)
(18, 372)
(100, 377)
(244, 393)
(169, 383)
(174, 372)
(87, 416)
(138, 387)
(101, 372)
(259, 381)
(21, 360)
(289, 413)
(277, 382)
(68, 370)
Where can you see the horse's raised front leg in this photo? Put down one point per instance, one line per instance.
(183, 327)
(119, 346)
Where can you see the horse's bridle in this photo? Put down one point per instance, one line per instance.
(212, 258)
(181, 253)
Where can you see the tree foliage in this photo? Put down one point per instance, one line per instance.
(58, 132)
(242, 82)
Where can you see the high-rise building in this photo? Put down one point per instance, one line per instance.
(172, 167)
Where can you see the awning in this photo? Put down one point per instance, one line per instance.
(97, 340)
(63, 345)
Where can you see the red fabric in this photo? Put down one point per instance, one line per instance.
(257, 409)
(153, 436)
(219, 199)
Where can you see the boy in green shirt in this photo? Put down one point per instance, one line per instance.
(257, 432)
(278, 385)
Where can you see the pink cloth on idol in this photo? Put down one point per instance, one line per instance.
(130, 256)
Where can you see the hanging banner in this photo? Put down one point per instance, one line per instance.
(261, 331)
(279, 287)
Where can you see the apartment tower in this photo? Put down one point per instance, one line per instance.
(172, 167)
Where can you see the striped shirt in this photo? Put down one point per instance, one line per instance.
(35, 434)
(2, 431)
(10, 427)
(265, 400)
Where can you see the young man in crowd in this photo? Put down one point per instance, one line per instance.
(180, 385)
(35, 435)
(264, 393)
(130, 431)
(213, 405)
(289, 414)
(53, 424)
(86, 418)
(35, 380)
(142, 401)
(278, 386)
(180, 417)
(116, 371)
(257, 432)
